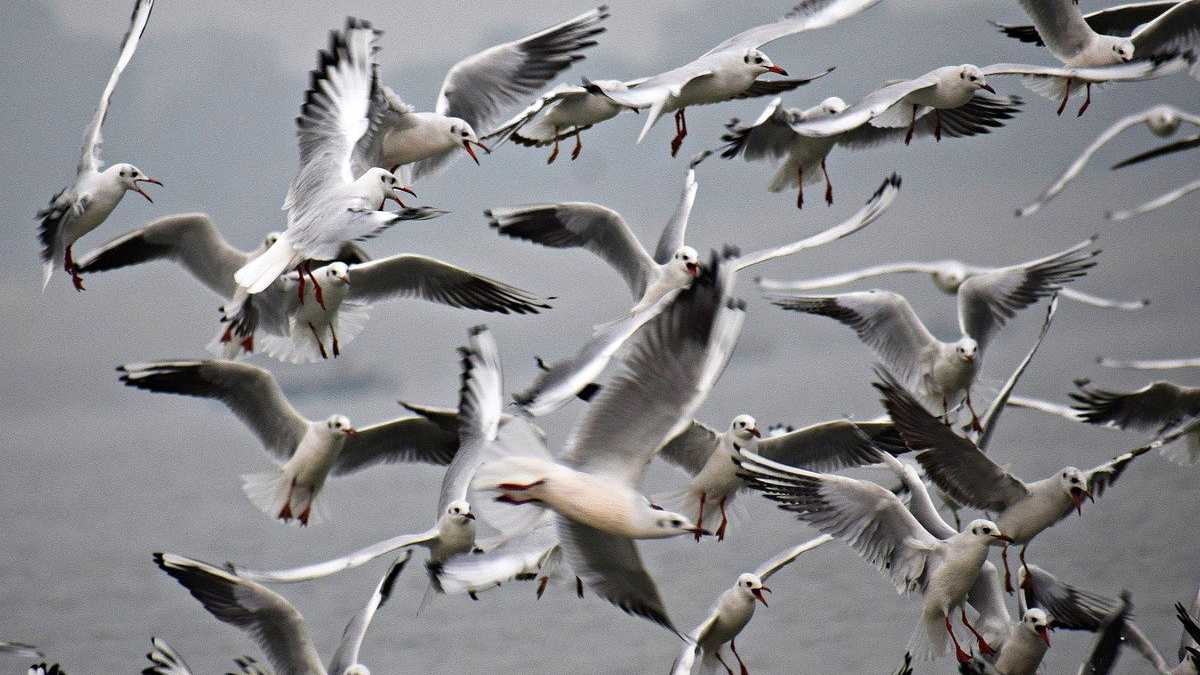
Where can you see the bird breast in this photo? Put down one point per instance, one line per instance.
(1022, 654)
(604, 504)
(1046, 504)
(428, 135)
(311, 462)
(734, 611)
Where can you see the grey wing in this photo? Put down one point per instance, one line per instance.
(165, 660)
(1156, 203)
(670, 367)
(805, 15)
(673, 234)
(768, 137)
(954, 463)
(1106, 649)
(349, 561)
(872, 520)
(1155, 407)
(1138, 69)
(1048, 407)
(20, 649)
(520, 557)
(480, 402)
(987, 301)
(250, 393)
(976, 117)
(388, 113)
(1060, 25)
(1107, 303)
(89, 159)
(264, 615)
(760, 88)
(834, 445)
(190, 239)
(595, 228)
(849, 277)
(871, 106)
(1118, 20)
(611, 567)
(1149, 364)
(785, 558)
(691, 448)
(1107, 474)
(992, 415)
(352, 637)
(882, 319)
(407, 439)
(1076, 166)
(1176, 29)
(1072, 608)
(919, 502)
(419, 276)
(510, 128)
(1191, 631)
(1188, 143)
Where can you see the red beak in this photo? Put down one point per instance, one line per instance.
(758, 593)
(777, 70)
(1077, 495)
(350, 431)
(1003, 537)
(700, 532)
(693, 270)
(1044, 634)
(471, 151)
(137, 188)
(755, 432)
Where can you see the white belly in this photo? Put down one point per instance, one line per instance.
(413, 144)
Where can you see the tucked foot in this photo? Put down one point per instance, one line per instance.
(285, 514)
(541, 587)
(519, 487)
(828, 185)
(1066, 95)
(473, 596)
(1086, 101)
(579, 587)
(724, 522)
(248, 344)
(912, 127)
(333, 335)
(303, 518)
(317, 337)
(227, 336)
(553, 153)
(578, 146)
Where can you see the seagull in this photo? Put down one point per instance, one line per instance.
(653, 283)
(1167, 409)
(1156, 203)
(707, 456)
(733, 611)
(875, 523)
(592, 486)
(166, 661)
(1140, 31)
(473, 97)
(1149, 364)
(947, 276)
(1189, 645)
(328, 205)
(960, 469)
(773, 136)
(82, 206)
(480, 425)
(310, 450)
(1182, 144)
(271, 621)
(1027, 644)
(732, 68)
(1162, 120)
(942, 372)
(1054, 82)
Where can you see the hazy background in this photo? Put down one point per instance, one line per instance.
(99, 476)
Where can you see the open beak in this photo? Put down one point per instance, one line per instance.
(138, 188)
(404, 188)
(1044, 633)
(699, 531)
(755, 432)
(777, 70)
(469, 516)
(471, 151)
(693, 270)
(1003, 537)
(1077, 496)
(350, 431)
(988, 88)
(758, 593)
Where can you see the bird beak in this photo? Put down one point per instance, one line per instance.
(693, 270)
(755, 432)
(1077, 496)
(345, 279)
(471, 151)
(988, 88)
(758, 593)
(138, 188)
(777, 70)
(968, 358)
(404, 188)
(350, 431)
(699, 531)
(1003, 537)
(469, 516)
(1044, 633)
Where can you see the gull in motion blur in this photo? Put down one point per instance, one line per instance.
(1188, 143)
(271, 621)
(1156, 203)
(733, 611)
(309, 450)
(474, 96)
(1149, 364)
(82, 206)
(1169, 410)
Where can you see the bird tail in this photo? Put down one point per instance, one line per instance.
(928, 641)
(517, 479)
(260, 272)
(267, 491)
(710, 664)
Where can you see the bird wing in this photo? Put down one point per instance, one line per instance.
(1138, 69)
(768, 137)
(1165, 149)
(871, 106)
(882, 319)
(347, 562)
(844, 278)
(1112, 636)
(1191, 631)
(165, 660)
(89, 159)
(987, 301)
(1072, 608)
(785, 558)
(1048, 407)
(919, 503)
(595, 228)
(410, 275)
(876, 205)
(611, 567)
(480, 402)
(829, 446)
(1106, 303)
(805, 15)
(975, 117)
(559, 93)
(1101, 477)
(691, 448)
(264, 615)
(1118, 20)
(872, 520)
(992, 415)
(673, 234)
(352, 637)
(759, 88)
(406, 439)
(510, 560)
(1060, 26)
(1155, 407)
(250, 393)
(954, 463)
(20, 649)
(1157, 202)
(191, 239)
(1176, 29)
(1149, 364)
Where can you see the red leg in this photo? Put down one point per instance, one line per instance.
(304, 515)
(828, 185)
(724, 522)
(300, 286)
(962, 656)
(680, 131)
(975, 426)
(227, 336)
(1024, 566)
(1086, 102)
(317, 337)
(553, 153)
(578, 145)
(741, 665)
(72, 269)
(248, 344)
(316, 287)
(700, 518)
(1008, 587)
(937, 125)
(1066, 95)
(333, 334)
(984, 647)
(285, 514)
(519, 487)
(911, 127)
(722, 661)
(541, 588)
(799, 186)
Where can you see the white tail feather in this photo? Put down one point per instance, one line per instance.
(928, 641)
(515, 470)
(260, 272)
(47, 272)
(267, 491)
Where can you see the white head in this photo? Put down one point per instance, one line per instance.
(356, 669)
(381, 184)
(832, 106)
(744, 427)
(973, 78)
(340, 424)
(1038, 622)
(760, 63)
(752, 586)
(686, 262)
(663, 523)
(1163, 120)
(335, 273)
(1074, 483)
(461, 133)
(1120, 48)
(459, 511)
(129, 176)
(967, 349)
(986, 529)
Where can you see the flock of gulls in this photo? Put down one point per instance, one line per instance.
(510, 508)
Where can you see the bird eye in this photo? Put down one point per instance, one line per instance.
(746, 59)
(758, 59)
(676, 523)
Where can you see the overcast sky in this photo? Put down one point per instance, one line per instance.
(99, 476)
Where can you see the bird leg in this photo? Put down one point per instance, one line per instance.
(945, 411)
(1024, 566)
(700, 518)
(227, 336)
(248, 344)
(303, 518)
(680, 131)
(542, 581)
(553, 153)
(72, 269)
(316, 287)
(285, 514)
(912, 126)
(800, 186)
(579, 587)
(1066, 95)
(1008, 587)
(828, 185)
(336, 351)
(741, 665)
(301, 282)
(578, 145)
(722, 661)
(962, 656)
(937, 125)
(724, 522)
(317, 337)
(984, 647)
(975, 425)
(1086, 101)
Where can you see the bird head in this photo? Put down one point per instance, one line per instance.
(981, 527)
(686, 261)
(130, 177)
(459, 511)
(463, 133)
(974, 78)
(967, 349)
(340, 424)
(760, 63)
(1122, 48)
(1039, 622)
(744, 427)
(832, 106)
(750, 584)
(1075, 484)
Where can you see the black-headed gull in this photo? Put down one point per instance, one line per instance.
(592, 486)
(1149, 364)
(1141, 31)
(1162, 120)
(876, 524)
(1168, 410)
(271, 621)
(947, 275)
(942, 373)
(309, 450)
(564, 111)
(960, 469)
(474, 96)
(731, 69)
(773, 137)
(528, 555)
(82, 206)
(327, 204)
(707, 456)
(732, 612)
(1156, 203)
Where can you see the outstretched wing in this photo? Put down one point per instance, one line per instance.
(992, 415)
(691, 448)
(352, 637)
(871, 106)
(765, 570)
(1060, 26)
(1176, 29)
(419, 276)
(834, 445)
(1118, 20)
(673, 234)
(1155, 407)
(975, 117)
(806, 15)
(1156, 203)
(848, 277)
(407, 439)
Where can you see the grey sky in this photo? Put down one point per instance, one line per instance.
(99, 476)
